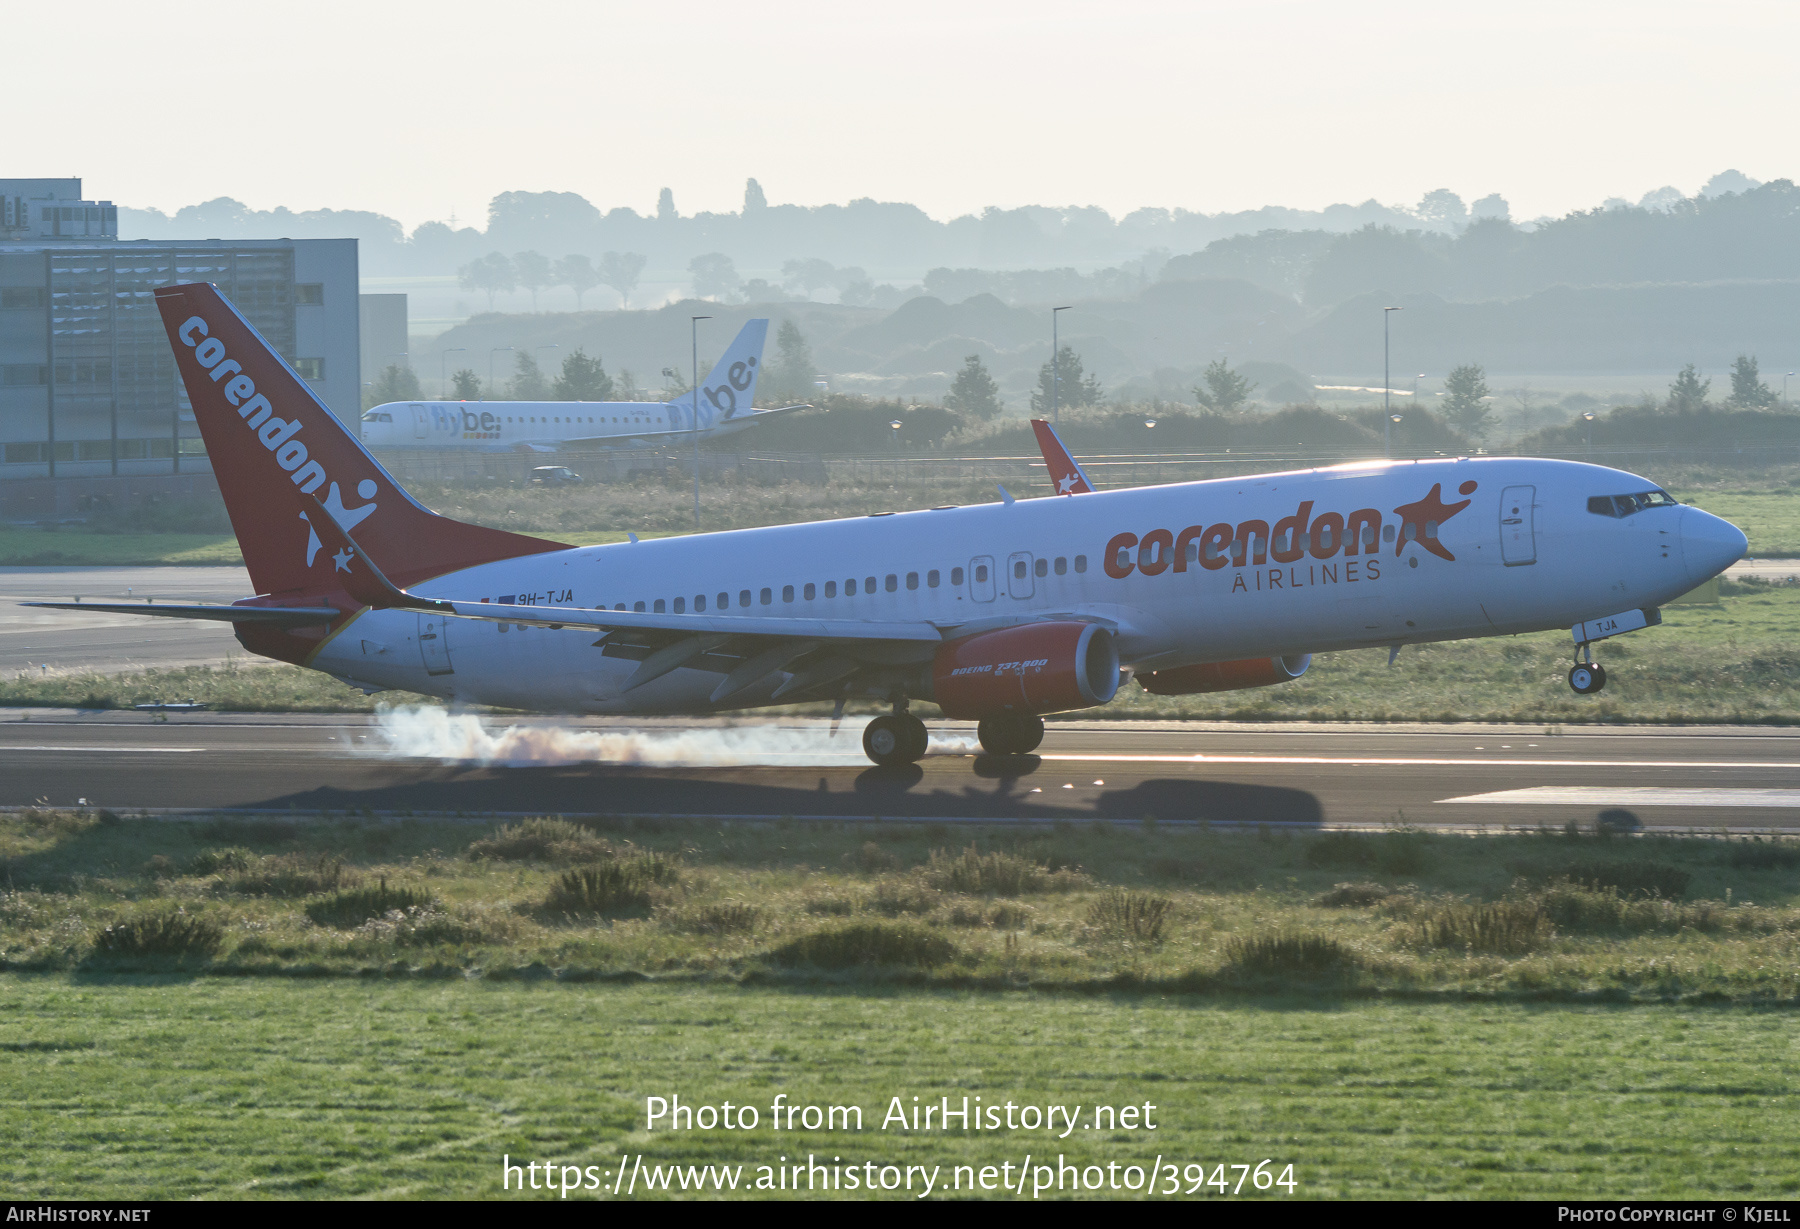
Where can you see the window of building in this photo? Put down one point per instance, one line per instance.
(310, 368)
(658, 607)
(22, 298)
(1042, 568)
(17, 454)
(1062, 566)
(309, 294)
(808, 592)
(768, 596)
(787, 593)
(15, 374)
(743, 597)
(912, 580)
(956, 577)
(931, 579)
(893, 582)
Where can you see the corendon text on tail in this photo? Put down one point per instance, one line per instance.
(999, 613)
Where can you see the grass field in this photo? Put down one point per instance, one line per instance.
(1733, 663)
(171, 1088)
(1077, 907)
(221, 1008)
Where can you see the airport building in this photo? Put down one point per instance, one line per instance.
(88, 387)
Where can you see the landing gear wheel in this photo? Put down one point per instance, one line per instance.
(918, 737)
(1586, 678)
(1010, 734)
(899, 738)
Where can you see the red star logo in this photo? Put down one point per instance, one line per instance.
(1430, 512)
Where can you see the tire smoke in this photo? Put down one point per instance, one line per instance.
(464, 738)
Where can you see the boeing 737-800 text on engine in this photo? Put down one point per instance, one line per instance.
(998, 613)
(724, 401)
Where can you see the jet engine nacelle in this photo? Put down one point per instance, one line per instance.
(1036, 668)
(1224, 675)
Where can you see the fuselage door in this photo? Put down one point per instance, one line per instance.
(981, 578)
(1518, 526)
(1018, 575)
(434, 643)
(421, 422)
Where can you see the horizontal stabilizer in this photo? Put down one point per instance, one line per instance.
(272, 616)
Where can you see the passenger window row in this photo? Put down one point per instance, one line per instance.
(870, 585)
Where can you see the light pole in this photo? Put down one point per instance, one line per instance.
(444, 367)
(1589, 416)
(491, 353)
(1387, 432)
(694, 400)
(1416, 380)
(895, 424)
(1055, 369)
(1387, 384)
(1784, 380)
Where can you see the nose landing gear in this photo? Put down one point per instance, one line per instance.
(1586, 677)
(896, 738)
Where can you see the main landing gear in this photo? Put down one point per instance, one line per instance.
(1586, 676)
(897, 738)
(1010, 733)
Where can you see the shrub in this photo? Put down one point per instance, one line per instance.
(353, 908)
(868, 943)
(894, 898)
(1502, 928)
(1354, 896)
(159, 867)
(161, 932)
(616, 886)
(221, 858)
(1629, 878)
(1763, 855)
(871, 859)
(1130, 915)
(293, 874)
(1267, 955)
(831, 906)
(542, 840)
(728, 918)
(1575, 906)
(423, 926)
(997, 874)
(1393, 853)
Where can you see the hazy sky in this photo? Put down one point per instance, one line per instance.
(417, 109)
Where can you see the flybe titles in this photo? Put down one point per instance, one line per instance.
(276, 434)
(1288, 540)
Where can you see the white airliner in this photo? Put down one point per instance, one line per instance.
(546, 426)
(1000, 613)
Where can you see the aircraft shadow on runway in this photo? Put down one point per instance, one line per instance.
(996, 789)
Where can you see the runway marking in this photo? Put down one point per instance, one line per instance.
(1422, 762)
(1637, 795)
(112, 750)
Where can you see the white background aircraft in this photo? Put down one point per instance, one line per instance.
(999, 613)
(544, 426)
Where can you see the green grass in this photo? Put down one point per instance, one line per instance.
(1086, 907)
(172, 1089)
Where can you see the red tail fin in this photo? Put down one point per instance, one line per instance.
(273, 445)
(1064, 472)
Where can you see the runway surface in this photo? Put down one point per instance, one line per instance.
(1460, 776)
(62, 642)
(54, 641)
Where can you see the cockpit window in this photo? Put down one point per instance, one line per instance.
(1625, 505)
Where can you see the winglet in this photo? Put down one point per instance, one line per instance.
(1065, 473)
(362, 580)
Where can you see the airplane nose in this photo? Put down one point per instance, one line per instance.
(1709, 544)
